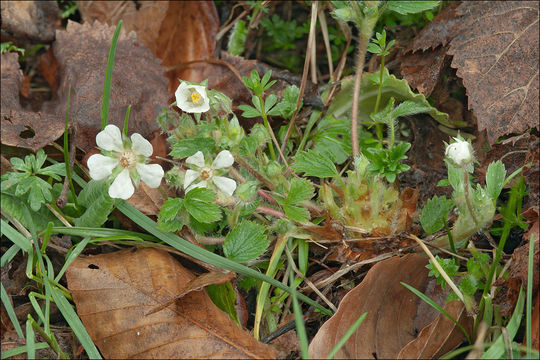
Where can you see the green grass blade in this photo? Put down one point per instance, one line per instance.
(436, 306)
(21, 349)
(11, 312)
(347, 335)
(9, 254)
(100, 232)
(529, 307)
(72, 256)
(497, 350)
(108, 76)
(66, 146)
(75, 323)
(299, 320)
(16, 237)
(30, 343)
(204, 255)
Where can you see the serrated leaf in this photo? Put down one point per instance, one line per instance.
(245, 242)
(296, 213)
(170, 225)
(314, 164)
(188, 147)
(411, 7)
(495, 176)
(300, 190)
(170, 209)
(249, 111)
(95, 197)
(468, 285)
(435, 213)
(409, 108)
(198, 202)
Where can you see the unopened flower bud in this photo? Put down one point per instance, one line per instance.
(460, 152)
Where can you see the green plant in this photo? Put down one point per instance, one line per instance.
(9, 47)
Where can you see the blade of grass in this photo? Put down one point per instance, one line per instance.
(529, 307)
(16, 237)
(66, 147)
(299, 319)
(9, 254)
(498, 349)
(11, 312)
(347, 335)
(30, 343)
(72, 256)
(436, 306)
(108, 76)
(75, 323)
(21, 349)
(99, 232)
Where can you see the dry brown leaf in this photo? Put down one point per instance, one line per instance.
(113, 292)
(177, 31)
(23, 128)
(496, 55)
(33, 20)
(441, 336)
(394, 314)
(137, 80)
(423, 69)
(535, 326)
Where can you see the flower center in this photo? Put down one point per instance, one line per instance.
(206, 173)
(128, 159)
(195, 97)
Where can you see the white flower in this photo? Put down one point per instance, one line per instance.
(192, 98)
(123, 161)
(460, 152)
(207, 174)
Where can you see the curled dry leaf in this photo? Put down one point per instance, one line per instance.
(32, 20)
(177, 32)
(114, 292)
(20, 127)
(137, 80)
(392, 314)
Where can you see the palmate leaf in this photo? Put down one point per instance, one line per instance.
(188, 147)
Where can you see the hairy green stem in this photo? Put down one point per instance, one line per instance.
(378, 127)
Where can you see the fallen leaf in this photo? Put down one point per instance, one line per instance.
(147, 200)
(20, 127)
(137, 80)
(177, 32)
(441, 336)
(423, 69)
(535, 325)
(113, 292)
(496, 55)
(33, 20)
(392, 311)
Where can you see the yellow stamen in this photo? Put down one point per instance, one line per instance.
(195, 97)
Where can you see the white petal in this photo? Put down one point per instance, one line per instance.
(184, 102)
(223, 160)
(190, 176)
(122, 188)
(141, 145)
(226, 185)
(201, 184)
(110, 138)
(101, 166)
(151, 174)
(196, 159)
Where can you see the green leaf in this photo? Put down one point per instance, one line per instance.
(245, 242)
(411, 7)
(95, 197)
(170, 208)
(393, 87)
(224, 297)
(237, 39)
(300, 190)
(408, 107)
(199, 203)
(269, 102)
(296, 213)
(468, 285)
(313, 163)
(435, 213)
(495, 176)
(249, 111)
(15, 207)
(188, 147)
(448, 265)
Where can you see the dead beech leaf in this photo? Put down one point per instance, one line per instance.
(137, 80)
(390, 307)
(32, 20)
(394, 314)
(177, 32)
(147, 200)
(496, 55)
(113, 292)
(441, 336)
(20, 127)
(423, 69)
